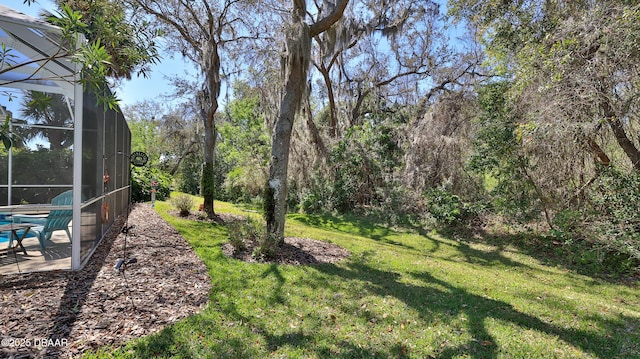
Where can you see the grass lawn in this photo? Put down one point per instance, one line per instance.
(401, 294)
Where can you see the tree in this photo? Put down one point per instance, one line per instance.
(130, 43)
(198, 31)
(574, 89)
(577, 58)
(243, 148)
(298, 36)
(383, 50)
(168, 134)
(590, 73)
(49, 110)
(106, 25)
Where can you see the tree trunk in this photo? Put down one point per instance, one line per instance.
(295, 82)
(316, 139)
(298, 41)
(625, 143)
(618, 130)
(333, 126)
(600, 156)
(208, 106)
(182, 156)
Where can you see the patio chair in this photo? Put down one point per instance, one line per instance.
(57, 219)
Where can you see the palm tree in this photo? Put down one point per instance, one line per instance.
(50, 113)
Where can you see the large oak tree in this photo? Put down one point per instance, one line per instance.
(296, 64)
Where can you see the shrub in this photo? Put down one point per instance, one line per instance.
(604, 234)
(614, 221)
(317, 197)
(247, 229)
(444, 206)
(267, 248)
(237, 235)
(183, 203)
(141, 178)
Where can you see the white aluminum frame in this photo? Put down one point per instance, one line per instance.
(38, 41)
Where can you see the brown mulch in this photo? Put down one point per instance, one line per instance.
(294, 250)
(64, 313)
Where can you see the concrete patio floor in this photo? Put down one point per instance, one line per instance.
(56, 257)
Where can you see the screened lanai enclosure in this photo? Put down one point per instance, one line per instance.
(65, 176)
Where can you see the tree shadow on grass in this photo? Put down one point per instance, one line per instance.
(439, 297)
(243, 335)
(162, 345)
(235, 335)
(276, 297)
(350, 225)
(572, 256)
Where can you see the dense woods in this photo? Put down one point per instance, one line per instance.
(513, 116)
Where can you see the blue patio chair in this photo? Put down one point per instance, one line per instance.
(57, 219)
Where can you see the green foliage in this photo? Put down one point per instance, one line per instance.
(123, 45)
(498, 155)
(362, 163)
(243, 148)
(208, 185)
(445, 207)
(145, 137)
(246, 229)
(55, 168)
(93, 56)
(141, 178)
(5, 135)
(604, 234)
(45, 109)
(237, 235)
(183, 204)
(614, 220)
(268, 247)
(189, 175)
(268, 203)
(616, 200)
(317, 197)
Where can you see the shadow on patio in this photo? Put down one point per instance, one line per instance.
(56, 257)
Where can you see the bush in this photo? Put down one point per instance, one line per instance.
(247, 229)
(183, 203)
(604, 234)
(445, 207)
(614, 220)
(268, 247)
(362, 164)
(141, 178)
(317, 197)
(237, 235)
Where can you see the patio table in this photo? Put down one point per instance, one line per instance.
(14, 228)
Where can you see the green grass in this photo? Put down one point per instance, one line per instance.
(401, 294)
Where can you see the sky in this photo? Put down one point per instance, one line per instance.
(130, 91)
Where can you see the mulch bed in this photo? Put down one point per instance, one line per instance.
(294, 250)
(64, 313)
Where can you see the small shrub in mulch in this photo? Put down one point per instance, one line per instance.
(183, 203)
(244, 243)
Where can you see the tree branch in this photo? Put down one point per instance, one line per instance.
(324, 24)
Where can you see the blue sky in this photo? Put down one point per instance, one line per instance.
(137, 89)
